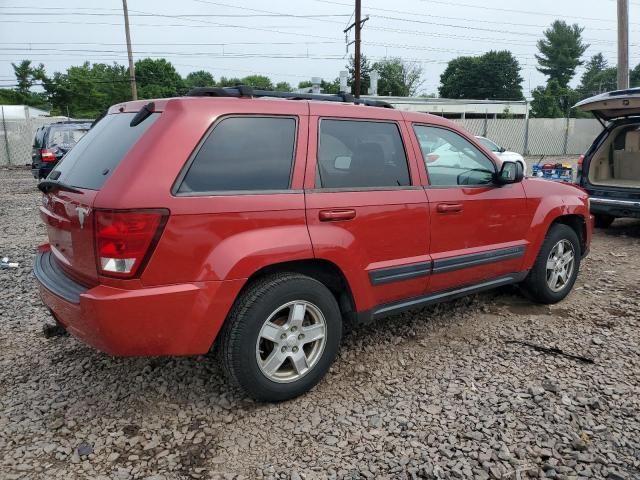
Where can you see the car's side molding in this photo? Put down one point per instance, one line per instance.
(394, 308)
(475, 259)
(400, 273)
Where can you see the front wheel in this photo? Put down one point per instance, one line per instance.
(556, 268)
(281, 336)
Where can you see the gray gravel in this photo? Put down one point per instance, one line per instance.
(435, 394)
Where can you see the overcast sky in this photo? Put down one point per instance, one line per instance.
(231, 38)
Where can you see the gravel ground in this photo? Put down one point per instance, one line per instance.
(436, 394)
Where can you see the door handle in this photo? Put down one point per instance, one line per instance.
(449, 207)
(337, 215)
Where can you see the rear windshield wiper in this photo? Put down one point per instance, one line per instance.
(48, 186)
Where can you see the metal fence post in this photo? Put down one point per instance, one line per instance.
(566, 136)
(486, 114)
(526, 129)
(6, 138)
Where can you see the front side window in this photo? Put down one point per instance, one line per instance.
(244, 153)
(361, 154)
(451, 159)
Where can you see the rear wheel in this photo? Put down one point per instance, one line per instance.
(603, 221)
(556, 268)
(281, 337)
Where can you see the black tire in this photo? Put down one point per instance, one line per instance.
(603, 221)
(242, 328)
(535, 284)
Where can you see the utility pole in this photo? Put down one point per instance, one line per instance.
(132, 69)
(356, 88)
(623, 44)
(357, 81)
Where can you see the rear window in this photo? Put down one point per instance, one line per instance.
(100, 151)
(66, 137)
(244, 154)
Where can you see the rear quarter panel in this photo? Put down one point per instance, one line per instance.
(210, 237)
(546, 202)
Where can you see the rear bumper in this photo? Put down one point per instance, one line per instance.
(615, 207)
(181, 319)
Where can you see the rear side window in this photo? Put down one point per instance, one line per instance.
(101, 150)
(37, 140)
(244, 154)
(361, 154)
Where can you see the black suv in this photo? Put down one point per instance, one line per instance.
(52, 141)
(610, 170)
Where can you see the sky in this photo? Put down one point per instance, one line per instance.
(294, 41)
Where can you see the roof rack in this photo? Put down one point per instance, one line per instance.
(246, 91)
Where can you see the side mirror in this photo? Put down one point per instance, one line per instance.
(342, 162)
(502, 150)
(510, 172)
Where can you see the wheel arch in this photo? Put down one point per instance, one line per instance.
(578, 224)
(324, 271)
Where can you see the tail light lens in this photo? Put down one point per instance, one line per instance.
(579, 167)
(47, 155)
(125, 239)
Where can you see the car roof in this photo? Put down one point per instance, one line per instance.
(287, 106)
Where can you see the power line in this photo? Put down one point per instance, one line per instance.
(463, 19)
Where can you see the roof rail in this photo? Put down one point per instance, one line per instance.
(246, 91)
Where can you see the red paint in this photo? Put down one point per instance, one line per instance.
(211, 245)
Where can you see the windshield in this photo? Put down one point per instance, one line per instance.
(488, 144)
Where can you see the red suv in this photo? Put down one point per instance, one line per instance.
(263, 224)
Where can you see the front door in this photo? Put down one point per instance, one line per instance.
(477, 228)
(366, 211)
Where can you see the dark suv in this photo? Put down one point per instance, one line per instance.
(51, 142)
(610, 169)
(263, 224)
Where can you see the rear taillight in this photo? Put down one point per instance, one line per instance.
(579, 166)
(125, 239)
(47, 155)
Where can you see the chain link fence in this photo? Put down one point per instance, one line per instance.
(532, 136)
(537, 136)
(16, 136)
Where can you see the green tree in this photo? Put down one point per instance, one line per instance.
(158, 78)
(494, 76)
(365, 71)
(27, 75)
(598, 77)
(553, 101)
(397, 77)
(201, 78)
(88, 90)
(283, 87)
(634, 76)
(229, 82)
(560, 51)
(259, 82)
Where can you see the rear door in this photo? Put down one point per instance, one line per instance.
(613, 105)
(477, 228)
(68, 216)
(366, 211)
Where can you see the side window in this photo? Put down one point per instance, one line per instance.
(451, 159)
(244, 153)
(360, 154)
(37, 140)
